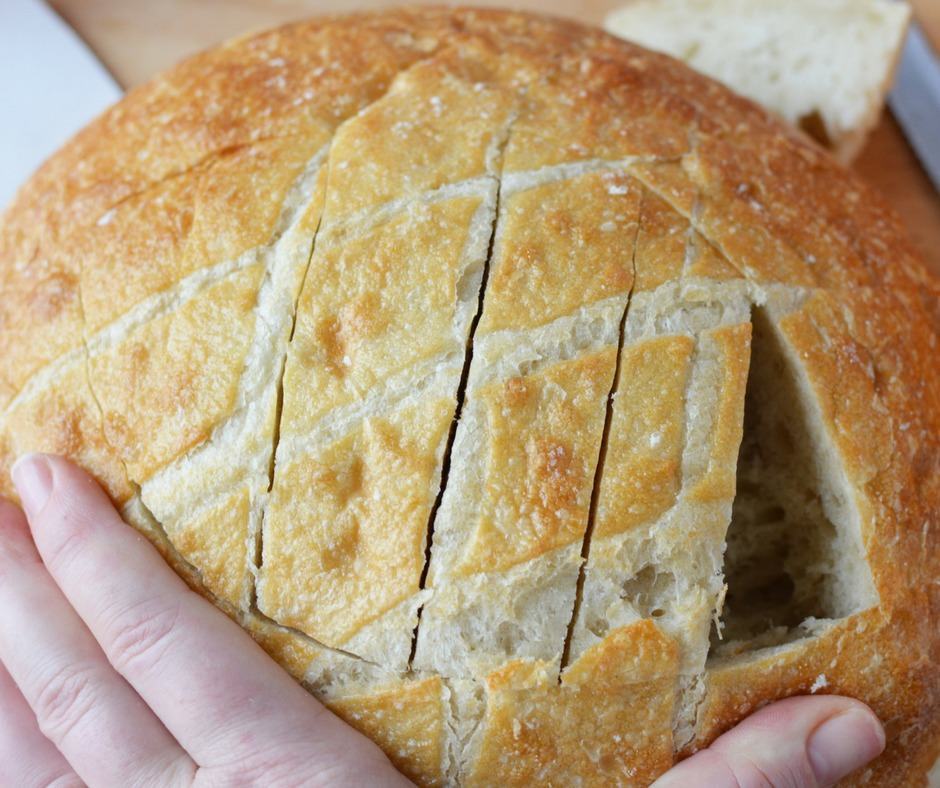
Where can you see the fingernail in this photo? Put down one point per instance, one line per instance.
(844, 743)
(33, 479)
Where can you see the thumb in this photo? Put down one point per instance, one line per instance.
(801, 742)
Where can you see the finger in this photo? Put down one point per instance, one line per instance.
(803, 742)
(212, 686)
(93, 717)
(27, 758)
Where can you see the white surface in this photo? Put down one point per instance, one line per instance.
(50, 86)
(915, 102)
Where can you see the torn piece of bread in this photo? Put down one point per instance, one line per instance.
(823, 65)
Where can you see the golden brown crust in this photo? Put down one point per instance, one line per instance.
(344, 536)
(62, 419)
(897, 684)
(149, 276)
(644, 450)
(370, 316)
(211, 540)
(608, 721)
(542, 431)
(407, 721)
(573, 237)
(167, 383)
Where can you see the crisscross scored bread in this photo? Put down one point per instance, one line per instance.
(447, 350)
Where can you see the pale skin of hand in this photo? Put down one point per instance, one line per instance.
(114, 673)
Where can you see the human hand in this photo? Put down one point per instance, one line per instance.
(801, 742)
(117, 674)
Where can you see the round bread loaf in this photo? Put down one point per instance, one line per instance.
(542, 405)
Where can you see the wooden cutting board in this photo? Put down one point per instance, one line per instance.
(136, 40)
